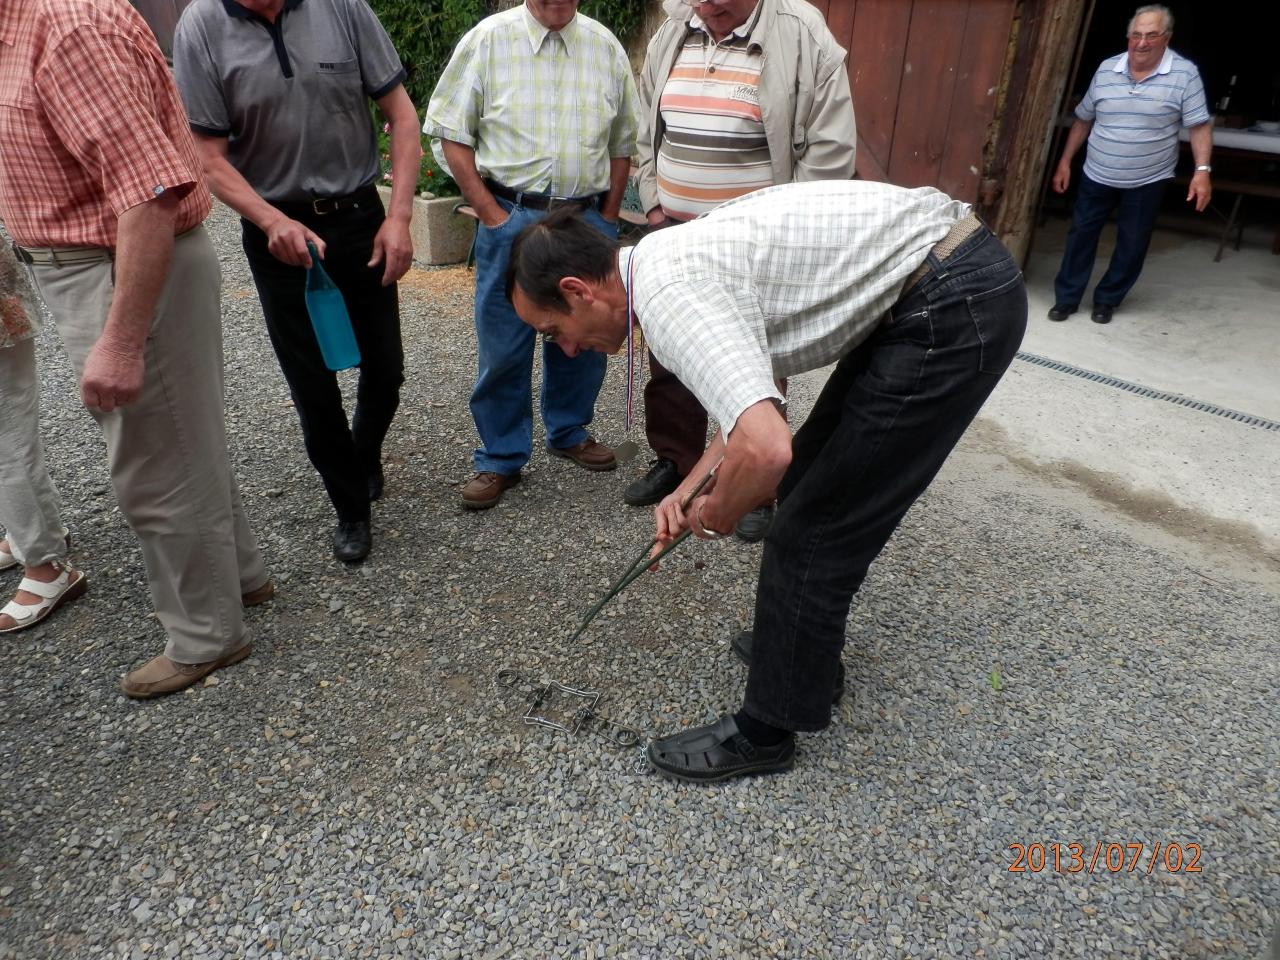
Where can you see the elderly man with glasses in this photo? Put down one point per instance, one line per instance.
(735, 96)
(1131, 114)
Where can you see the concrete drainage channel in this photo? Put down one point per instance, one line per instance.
(1236, 415)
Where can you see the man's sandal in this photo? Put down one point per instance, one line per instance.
(69, 585)
(8, 561)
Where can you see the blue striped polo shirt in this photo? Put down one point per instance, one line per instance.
(1134, 140)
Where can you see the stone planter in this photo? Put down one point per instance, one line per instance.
(439, 235)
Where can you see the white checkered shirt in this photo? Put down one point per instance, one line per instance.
(778, 282)
(543, 110)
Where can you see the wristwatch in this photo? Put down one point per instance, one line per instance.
(1205, 167)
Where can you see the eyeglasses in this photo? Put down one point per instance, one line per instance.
(714, 3)
(1149, 37)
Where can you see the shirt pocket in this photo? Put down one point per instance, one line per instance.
(338, 85)
(17, 92)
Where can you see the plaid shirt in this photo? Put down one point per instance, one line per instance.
(544, 110)
(90, 124)
(778, 282)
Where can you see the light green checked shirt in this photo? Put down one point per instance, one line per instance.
(543, 110)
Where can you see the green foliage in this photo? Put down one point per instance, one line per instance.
(623, 17)
(424, 33)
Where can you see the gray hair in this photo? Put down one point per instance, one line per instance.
(1159, 8)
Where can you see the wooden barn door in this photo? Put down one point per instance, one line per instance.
(926, 77)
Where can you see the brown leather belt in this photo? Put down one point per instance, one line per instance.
(960, 231)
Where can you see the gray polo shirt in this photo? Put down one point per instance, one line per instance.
(290, 96)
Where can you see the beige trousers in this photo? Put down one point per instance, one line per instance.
(29, 505)
(168, 449)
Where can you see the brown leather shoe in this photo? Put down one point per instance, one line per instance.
(485, 489)
(587, 454)
(160, 675)
(260, 595)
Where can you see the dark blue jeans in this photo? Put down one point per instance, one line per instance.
(502, 398)
(888, 417)
(1136, 211)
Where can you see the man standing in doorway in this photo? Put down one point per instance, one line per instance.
(100, 186)
(535, 110)
(735, 96)
(1131, 114)
(278, 94)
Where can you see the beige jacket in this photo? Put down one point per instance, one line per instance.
(804, 94)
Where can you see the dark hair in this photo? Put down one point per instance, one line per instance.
(561, 244)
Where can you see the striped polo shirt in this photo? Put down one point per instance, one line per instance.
(1134, 140)
(713, 147)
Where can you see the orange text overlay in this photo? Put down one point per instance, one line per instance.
(1105, 857)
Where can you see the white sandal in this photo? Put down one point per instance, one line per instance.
(8, 561)
(69, 585)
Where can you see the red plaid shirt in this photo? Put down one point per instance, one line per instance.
(90, 123)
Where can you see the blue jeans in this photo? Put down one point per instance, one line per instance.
(502, 398)
(888, 417)
(1136, 211)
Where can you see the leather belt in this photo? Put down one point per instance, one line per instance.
(541, 201)
(960, 231)
(323, 206)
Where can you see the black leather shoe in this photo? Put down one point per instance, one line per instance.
(661, 479)
(754, 525)
(376, 481)
(351, 541)
(1102, 313)
(1060, 311)
(741, 645)
(717, 752)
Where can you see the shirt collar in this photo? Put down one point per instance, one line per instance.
(741, 31)
(234, 9)
(1166, 62)
(538, 33)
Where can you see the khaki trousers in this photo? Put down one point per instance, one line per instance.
(29, 505)
(168, 449)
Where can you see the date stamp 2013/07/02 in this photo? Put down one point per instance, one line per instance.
(1105, 857)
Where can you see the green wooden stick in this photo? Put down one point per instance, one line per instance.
(642, 563)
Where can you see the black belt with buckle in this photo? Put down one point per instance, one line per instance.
(542, 201)
(322, 206)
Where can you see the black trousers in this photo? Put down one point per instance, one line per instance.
(889, 415)
(343, 454)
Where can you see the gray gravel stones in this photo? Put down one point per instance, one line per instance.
(361, 788)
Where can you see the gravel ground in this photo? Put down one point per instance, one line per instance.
(1022, 671)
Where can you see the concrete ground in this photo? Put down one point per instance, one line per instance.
(1203, 330)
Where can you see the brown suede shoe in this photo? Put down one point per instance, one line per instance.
(160, 675)
(485, 489)
(587, 454)
(261, 595)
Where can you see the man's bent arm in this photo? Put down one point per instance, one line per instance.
(462, 166)
(619, 171)
(115, 366)
(286, 238)
(754, 460)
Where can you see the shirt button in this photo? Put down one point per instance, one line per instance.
(157, 190)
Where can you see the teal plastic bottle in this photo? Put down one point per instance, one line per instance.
(329, 317)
